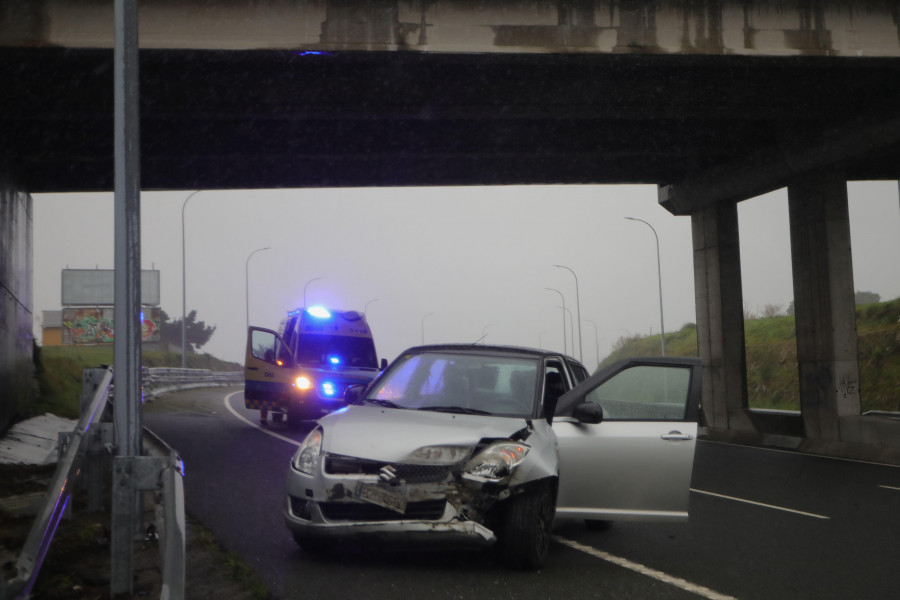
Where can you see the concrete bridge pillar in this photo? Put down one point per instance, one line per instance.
(824, 303)
(720, 316)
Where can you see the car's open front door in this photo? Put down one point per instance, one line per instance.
(636, 463)
(268, 369)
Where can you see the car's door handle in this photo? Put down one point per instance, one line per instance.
(677, 435)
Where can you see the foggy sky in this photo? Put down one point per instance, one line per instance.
(478, 258)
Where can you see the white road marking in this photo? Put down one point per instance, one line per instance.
(890, 487)
(763, 504)
(256, 425)
(644, 570)
(799, 453)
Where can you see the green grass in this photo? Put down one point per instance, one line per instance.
(58, 373)
(772, 372)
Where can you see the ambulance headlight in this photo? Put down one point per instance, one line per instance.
(306, 459)
(303, 382)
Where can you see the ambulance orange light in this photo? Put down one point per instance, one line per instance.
(279, 362)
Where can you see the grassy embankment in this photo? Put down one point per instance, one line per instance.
(772, 379)
(59, 373)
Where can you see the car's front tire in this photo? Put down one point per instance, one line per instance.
(528, 528)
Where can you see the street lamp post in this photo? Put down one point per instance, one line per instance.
(247, 281)
(306, 286)
(366, 307)
(662, 326)
(578, 310)
(423, 327)
(596, 342)
(183, 286)
(571, 326)
(565, 344)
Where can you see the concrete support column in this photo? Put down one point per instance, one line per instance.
(824, 303)
(720, 316)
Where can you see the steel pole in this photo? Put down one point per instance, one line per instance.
(578, 311)
(565, 344)
(304, 289)
(127, 337)
(184, 287)
(662, 326)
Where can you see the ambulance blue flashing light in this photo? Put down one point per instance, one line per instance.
(334, 360)
(320, 312)
(328, 388)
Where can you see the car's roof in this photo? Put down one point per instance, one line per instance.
(487, 349)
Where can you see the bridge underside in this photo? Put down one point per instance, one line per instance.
(271, 118)
(711, 131)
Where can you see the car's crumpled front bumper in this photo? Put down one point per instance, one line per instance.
(452, 532)
(307, 518)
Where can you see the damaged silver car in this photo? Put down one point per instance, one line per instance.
(479, 445)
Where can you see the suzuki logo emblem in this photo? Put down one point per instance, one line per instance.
(388, 473)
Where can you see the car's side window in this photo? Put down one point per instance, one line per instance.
(579, 372)
(555, 384)
(644, 393)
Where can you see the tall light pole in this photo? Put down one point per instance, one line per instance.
(596, 342)
(578, 310)
(565, 344)
(423, 327)
(306, 286)
(183, 287)
(571, 326)
(541, 340)
(662, 326)
(366, 307)
(247, 281)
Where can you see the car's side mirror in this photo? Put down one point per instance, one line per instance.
(353, 394)
(588, 413)
(384, 364)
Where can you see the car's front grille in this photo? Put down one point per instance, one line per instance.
(347, 465)
(426, 510)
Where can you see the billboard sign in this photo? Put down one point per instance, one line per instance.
(97, 325)
(96, 287)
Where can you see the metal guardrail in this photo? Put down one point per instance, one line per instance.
(82, 452)
(59, 493)
(163, 379)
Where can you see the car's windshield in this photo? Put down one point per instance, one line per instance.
(336, 351)
(461, 383)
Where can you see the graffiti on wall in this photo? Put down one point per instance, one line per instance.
(97, 325)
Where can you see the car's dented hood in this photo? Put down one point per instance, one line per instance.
(390, 434)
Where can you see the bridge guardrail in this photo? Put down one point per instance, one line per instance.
(82, 452)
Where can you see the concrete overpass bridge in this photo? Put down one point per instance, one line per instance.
(713, 101)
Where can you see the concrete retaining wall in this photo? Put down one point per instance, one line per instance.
(16, 319)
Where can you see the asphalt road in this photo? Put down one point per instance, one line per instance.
(764, 525)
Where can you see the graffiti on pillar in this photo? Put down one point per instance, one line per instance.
(847, 387)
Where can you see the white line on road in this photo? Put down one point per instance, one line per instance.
(763, 504)
(890, 487)
(256, 425)
(644, 570)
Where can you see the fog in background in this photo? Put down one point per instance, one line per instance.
(476, 260)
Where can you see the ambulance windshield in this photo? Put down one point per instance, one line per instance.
(337, 351)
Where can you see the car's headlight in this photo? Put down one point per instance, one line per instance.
(307, 456)
(496, 461)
